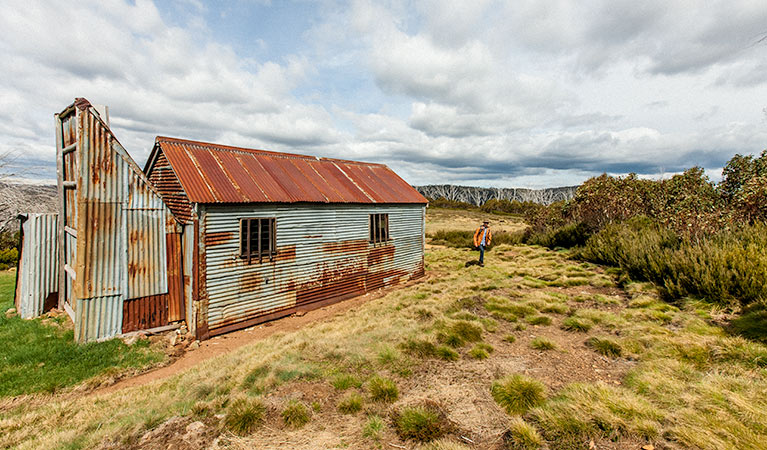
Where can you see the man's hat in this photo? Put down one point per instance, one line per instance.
(486, 221)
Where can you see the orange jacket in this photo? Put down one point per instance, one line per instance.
(478, 236)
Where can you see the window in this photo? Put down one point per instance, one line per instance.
(258, 239)
(379, 228)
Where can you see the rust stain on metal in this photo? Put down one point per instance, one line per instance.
(285, 253)
(341, 247)
(212, 173)
(145, 312)
(218, 238)
(380, 253)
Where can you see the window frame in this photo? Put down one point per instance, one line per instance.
(246, 224)
(374, 228)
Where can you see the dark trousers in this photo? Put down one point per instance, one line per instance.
(481, 254)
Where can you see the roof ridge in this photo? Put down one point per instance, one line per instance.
(250, 151)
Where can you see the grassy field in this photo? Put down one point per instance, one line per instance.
(40, 355)
(534, 350)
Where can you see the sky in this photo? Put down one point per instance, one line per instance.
(483, 93)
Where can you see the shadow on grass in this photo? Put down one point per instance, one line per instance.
(752, 324)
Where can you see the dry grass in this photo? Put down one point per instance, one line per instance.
(680, 382)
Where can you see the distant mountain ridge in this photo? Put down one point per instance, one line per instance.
(479, 195)
(18, 199)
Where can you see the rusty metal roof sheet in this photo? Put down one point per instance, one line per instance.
(212, 173)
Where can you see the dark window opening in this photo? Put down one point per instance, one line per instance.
(258, 239)
(379, 228)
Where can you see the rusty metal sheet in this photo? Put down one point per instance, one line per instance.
(115, 246)
(208, 173)
(239, 177)
(358, 178)
(323, 254)
(145, 312)
(38, 271)
(263, 180)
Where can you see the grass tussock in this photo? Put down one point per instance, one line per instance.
(586, 411)
(351, 403)
(295, 414)
(522, 436)
(382, 389)
(605, 346)
(538, 320)
(518, 393)
(244, 415)
(481, 351)
(542, 343)
(576, 324)
(374, 428)
(422, 423)
(346, 381)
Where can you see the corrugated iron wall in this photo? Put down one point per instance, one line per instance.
(167, 184)
(322, 252)
(121, 236)
(38, 275)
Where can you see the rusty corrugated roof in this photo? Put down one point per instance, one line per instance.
(212, 173)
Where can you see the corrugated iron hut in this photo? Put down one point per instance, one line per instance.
(274, 233)
(119, 257)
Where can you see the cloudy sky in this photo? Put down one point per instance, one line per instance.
(512, 93)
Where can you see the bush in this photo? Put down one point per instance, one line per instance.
(465, 239)
(9, 256)
(421, 423)
(518, 393)
(351, 403)
(724, 268)
(442, 202)
(243, 416)
(295, 414)
(567, 236)
(382, 389)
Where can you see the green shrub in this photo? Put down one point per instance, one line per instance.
(422, 423)
(576, 324)
(243, 416)
(510, 338)
(518, 393)
(350, 403)
(541, 343)
(9, 256)
(523, 436)
(605, 346)
(295, 414)
(382, 389)
(567, 236)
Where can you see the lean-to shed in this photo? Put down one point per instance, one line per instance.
(274, 233)
(119, 246)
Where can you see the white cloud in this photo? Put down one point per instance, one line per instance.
(523, 93)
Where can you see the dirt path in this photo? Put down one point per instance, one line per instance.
(220, 345)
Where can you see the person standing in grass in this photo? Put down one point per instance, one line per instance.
(482, 238)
